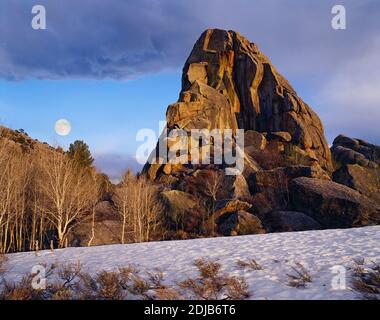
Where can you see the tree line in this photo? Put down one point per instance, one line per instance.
(45, 193)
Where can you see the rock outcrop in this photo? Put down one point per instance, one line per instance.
(227, 83)
(333, 205)
(239, 223)
(258, 97)
(357, 164)
(271, 188)
(346, 150)
(178, 203)
(289, 221)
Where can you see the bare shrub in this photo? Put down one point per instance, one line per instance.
(237, 288)
(102, 286)
(64, 288)
(108, 284)
(149, 287)
(211, 285)
(17, 291)
(367, 280)
(23, 289)
(120, 285)
(127, 283)
(168, 294)
(208, 186)
(178, 235)
(140, 287)
(250, 264)
(69, 274)
(359, 262)
(300, 278)
(194, 221)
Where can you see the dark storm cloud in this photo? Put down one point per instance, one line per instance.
(126, 38)
(92, 38)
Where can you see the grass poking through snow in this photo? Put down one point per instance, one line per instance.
(366, 280)
(301, 276)
(251, 264)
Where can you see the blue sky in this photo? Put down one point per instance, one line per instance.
(106, 114)
(112, 67)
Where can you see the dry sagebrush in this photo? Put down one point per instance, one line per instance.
(69, 282)
(211, 284)
(366, 280)
(301, 276)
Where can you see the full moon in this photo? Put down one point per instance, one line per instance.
(63, 127)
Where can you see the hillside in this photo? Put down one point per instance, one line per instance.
(317, 251)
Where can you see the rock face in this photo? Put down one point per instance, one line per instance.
(358, 166)
(227, 83)
(259, 98)
(333, 205)
(365, 180)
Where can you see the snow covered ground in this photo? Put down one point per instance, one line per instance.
(318, 251)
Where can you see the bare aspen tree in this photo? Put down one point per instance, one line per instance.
(96, 189)
(38, 219)
(37, 248)
(89, 244)
(140, 208)
(17, 221)
(5, 198)
(10, 180)
(20, 201)
(122, 199)
(42, 192)
(68, 191)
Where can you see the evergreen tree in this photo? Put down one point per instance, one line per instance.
(80, 152)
